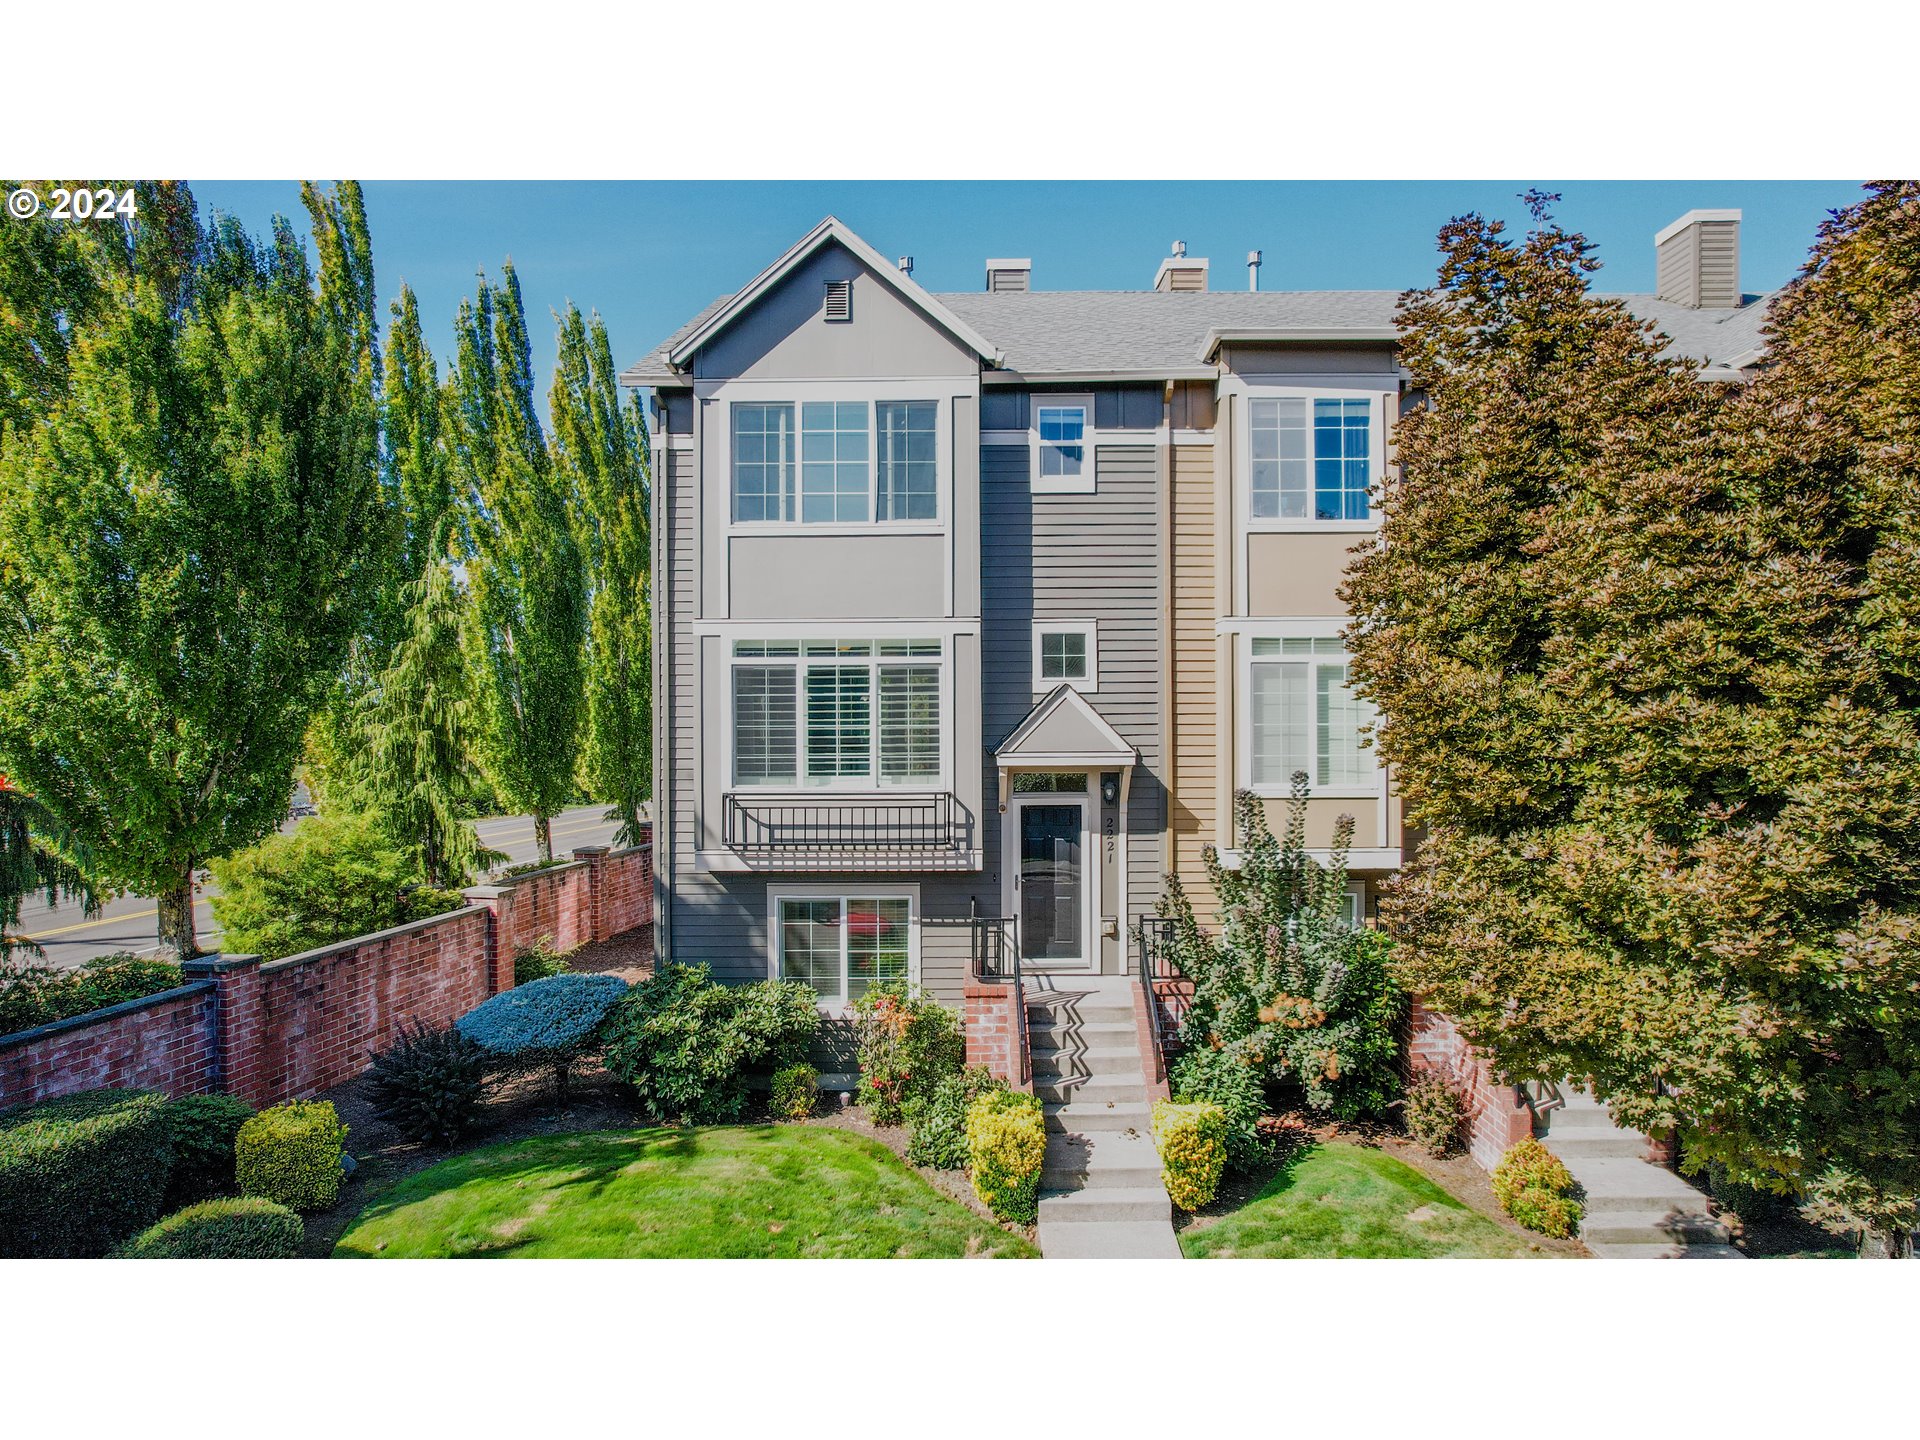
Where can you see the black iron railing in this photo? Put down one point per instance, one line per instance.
(799, 827)
(1157, 971)
(996, 947)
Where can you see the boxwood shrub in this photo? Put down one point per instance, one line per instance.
(1006, 1146)
(291, 1154)
(1536, 1189)
(1192, 1141)
(203, 1128)
(240, 1227)
(81, 1173)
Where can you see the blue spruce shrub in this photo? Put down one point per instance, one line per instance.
(549, 1022)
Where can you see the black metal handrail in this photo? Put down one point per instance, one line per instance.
(996, 947)
(800, 825)
(1156, 964)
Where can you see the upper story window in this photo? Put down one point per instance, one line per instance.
(1065, 651)
(1061, 463)
(1312, 457)
(1302, 714)
(836, 713)
(814, 463)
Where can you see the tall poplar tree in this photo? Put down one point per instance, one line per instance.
(1620, 629)
(526, 630)
(601, 448)
(191, 517)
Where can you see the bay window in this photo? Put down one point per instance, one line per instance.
(840, 714)
(1303, 714)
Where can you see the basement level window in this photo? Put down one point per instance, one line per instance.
(839, 300)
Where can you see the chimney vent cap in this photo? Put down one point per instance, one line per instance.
(1694, 217)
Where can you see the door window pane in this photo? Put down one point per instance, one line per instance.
(1051, 890)
(763, 462)
(833, 461)
(908, 475)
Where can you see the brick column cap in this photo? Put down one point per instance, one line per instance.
(486, 892)
(581, 852)
(217, 964)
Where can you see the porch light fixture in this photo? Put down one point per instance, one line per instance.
(1109, 789)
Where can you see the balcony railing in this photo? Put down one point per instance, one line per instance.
(798, 831)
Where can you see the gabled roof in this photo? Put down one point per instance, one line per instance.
(1064, 730)
(829, 231)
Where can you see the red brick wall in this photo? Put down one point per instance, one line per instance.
(626, 890)
(554, 906)
(1496, 1116)
(162, 1042)
(996, 1030)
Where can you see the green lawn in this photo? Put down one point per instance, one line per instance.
(1340, 1201)
(750, 1191)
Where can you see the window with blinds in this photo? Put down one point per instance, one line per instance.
(836, 713)
(1304, 715)
(842, 944)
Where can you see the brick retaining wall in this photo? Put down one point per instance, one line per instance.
(306, 1023)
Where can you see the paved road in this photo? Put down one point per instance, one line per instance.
(130, 922)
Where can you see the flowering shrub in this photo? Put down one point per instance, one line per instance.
(1006, 1146)
(1435, 1113)
(793, 1091)
(908, 1045)
(1226, 1079)
(1192, 1141)
(686, 1043)
(939, 1135)
(1537, 1190)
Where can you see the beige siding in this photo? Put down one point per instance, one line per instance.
(1195, 717)
(1293, 573)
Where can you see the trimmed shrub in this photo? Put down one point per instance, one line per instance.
(1222, 1078)
(550, 1022)
(291, 1154)
(1006, 1146)
(334, 878)
(1192, 1141)
(686, 1043)
(430, 1084)
(1537, 1190)
(1435, 1113)
(540, 962)
(908, 1045)
(80, 1173)
(33, 995)
(242, 1227)
(939, 1134)
(203, 1129)
(794, 1090)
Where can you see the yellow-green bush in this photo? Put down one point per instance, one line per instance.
(1006, 1145)
(1537, 1190)
(291, 1154)
(1192, 1140)
(243, 1227)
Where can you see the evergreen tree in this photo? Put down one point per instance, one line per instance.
(526, 631)
(1669, 791)
(36, 857)
(601, 451)
(191, 520)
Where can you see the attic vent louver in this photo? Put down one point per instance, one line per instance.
(839, 300)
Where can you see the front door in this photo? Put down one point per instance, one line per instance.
(1050, 880)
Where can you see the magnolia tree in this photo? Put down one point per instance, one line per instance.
(1644, 646)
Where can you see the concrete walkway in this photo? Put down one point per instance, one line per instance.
(1101, 1196)
(1634, 1210)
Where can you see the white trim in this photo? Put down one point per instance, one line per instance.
(1284, 627)
(1694, 217)
(1191, 437)
(843, 892)
(833, 629)
(1089, 630)
(726, 862)
(1289, 387)
(1282, 334)
(1243, 663)
(1009, 754)
(1386, 858)
(1084, 482)
(828, 229)
(1090, 866)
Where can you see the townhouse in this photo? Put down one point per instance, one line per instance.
(973, 610)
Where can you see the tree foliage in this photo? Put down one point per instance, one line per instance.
(1644, 646)
(36, 857)
(526, 630)
(191, 519)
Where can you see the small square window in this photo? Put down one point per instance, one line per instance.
(1063, 657)
(1065, 652)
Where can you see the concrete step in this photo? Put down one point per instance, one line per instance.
(1584, 1117)
(1616, 1185)
(1653, 1226)
(1097, 1089)
(1085, 1117)
(1597, 1144)
(1105, 1013)
(1115, 1240)
(1067, 1060)
(1089, 1035)
(1104, 1160)
(1667, 1251)
(1107, 1203)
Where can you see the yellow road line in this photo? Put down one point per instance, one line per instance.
(90, 924)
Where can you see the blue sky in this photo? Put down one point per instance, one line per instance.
(647, 255)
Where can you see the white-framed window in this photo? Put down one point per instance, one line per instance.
(842, 938)
(838, 714)
(1300, 712)
(1066, 652)
(1312, 458)
(1062, 441)
(834, 461)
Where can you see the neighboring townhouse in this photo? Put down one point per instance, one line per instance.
(974, 610)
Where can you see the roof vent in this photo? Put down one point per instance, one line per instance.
(1697, 260)
(1009, 275)
(906, 264)
(839, 299)
(1253, 270)
(1177, 272)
